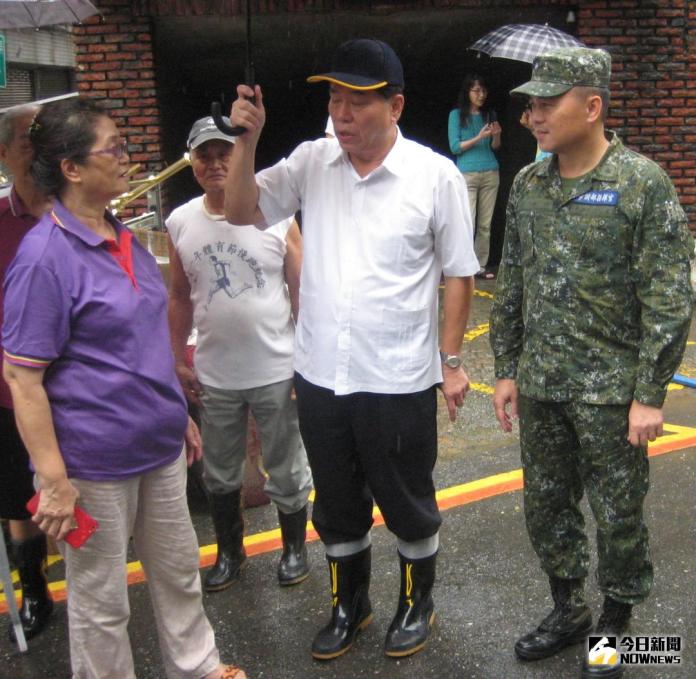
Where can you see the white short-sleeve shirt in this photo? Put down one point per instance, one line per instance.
(374, 248)
(241, 307)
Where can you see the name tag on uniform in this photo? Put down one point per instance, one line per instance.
(597, 198)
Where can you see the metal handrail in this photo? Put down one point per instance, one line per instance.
(145, 185)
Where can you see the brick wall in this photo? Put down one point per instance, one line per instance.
(235, 7)
(115, 65)
(653, 46)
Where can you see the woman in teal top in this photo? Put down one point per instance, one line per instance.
(474, 133)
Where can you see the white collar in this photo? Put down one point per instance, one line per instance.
(393, 161)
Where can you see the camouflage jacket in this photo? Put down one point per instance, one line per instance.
(593, 300)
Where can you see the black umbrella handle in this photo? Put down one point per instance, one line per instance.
(216, 108)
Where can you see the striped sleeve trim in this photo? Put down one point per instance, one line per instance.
(25, 361)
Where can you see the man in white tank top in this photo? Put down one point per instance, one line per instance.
(239, 288)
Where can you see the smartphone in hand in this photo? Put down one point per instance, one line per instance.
(86, 525)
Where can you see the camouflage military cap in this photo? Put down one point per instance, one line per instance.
(558, 71)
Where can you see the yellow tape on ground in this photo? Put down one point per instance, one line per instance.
(483, 388)
(476, 332)
(676, 437)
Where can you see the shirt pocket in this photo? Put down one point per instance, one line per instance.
(404, 241)
(603, 281)
(528, 252)
(605, 245)
(403, 344)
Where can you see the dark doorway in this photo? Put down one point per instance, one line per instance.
(200, 59)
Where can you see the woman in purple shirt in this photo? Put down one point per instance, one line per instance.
(98, 405)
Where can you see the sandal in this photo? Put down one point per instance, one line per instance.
(485, 275)
(232, 672)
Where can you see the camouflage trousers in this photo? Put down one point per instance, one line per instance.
(572, 448)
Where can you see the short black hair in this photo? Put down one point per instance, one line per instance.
(390, 90)
(602, 92)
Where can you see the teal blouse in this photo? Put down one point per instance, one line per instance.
(480, 157)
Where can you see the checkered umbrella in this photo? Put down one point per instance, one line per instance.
(37, 13)
(523, 42)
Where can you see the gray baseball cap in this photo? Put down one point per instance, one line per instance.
(204, 130)
(556, 72)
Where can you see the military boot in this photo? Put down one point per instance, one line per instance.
(612, 622)
(568, 623)
(37, 605)
(226, 511)
(415, 613)
(351, 610)
(294, 564)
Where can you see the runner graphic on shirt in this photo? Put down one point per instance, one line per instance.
(221, 281)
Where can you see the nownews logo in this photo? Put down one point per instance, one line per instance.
(662, 650)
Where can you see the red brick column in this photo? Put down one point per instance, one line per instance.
(653, 46)
(115, 65)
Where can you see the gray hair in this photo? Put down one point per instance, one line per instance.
(8, 119)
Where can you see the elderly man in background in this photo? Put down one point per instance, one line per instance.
(20, 209)
(231, 284)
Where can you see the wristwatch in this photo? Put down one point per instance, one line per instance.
(451, 360)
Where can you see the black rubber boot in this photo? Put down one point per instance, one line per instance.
(226, 510)
(37, 605)
(569, 623)
(415, 614)
(294, 564)
(351, 609)
(612, 622)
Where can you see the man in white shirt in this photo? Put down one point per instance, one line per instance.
(230, 283)
(383, 218)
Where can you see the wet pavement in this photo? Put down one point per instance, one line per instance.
(489, 588)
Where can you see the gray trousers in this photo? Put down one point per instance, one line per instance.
(224, 430)
(482, 188)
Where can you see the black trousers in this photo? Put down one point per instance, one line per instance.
(363, 446)
(16, 478)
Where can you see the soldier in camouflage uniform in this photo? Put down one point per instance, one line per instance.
(589, 323)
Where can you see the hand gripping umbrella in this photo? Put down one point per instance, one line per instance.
(215, 108)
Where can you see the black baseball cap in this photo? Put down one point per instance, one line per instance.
(364, 64)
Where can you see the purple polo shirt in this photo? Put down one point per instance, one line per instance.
(117, 406)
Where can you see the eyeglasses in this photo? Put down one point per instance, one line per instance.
(117, 151)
